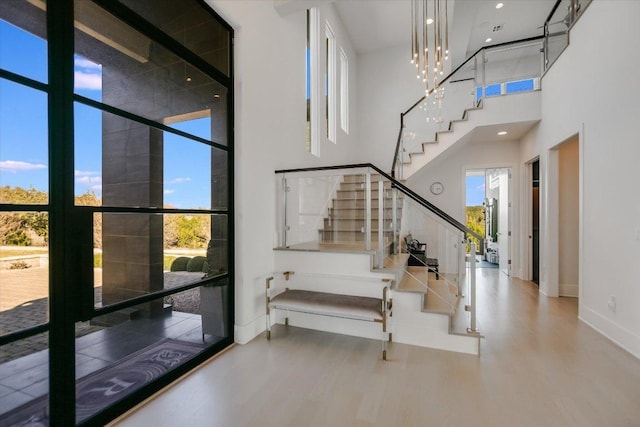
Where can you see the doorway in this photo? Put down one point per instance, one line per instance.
(568, 217)
(535, 222)
(488, 209)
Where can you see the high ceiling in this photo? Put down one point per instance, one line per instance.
(376, 24)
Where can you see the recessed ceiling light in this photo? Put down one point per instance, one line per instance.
(489, 39)
(188, 79)
(216, 95)
(429, 21)
(504, 132)
(499, 5)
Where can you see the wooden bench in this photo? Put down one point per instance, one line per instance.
(351, 307)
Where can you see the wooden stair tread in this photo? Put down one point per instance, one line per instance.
(414, 280)
(441, 298)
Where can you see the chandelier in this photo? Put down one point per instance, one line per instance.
(429, 40)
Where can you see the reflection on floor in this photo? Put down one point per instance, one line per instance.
(539, 366)
(480, 263)
(26, 378)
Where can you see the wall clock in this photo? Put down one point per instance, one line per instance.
(437, 188)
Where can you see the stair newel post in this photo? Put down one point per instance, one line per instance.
(402, 149)
(381, 245)
(285, 190)
(367, 210)
(484, 70)
(472, 285)
(394, 219)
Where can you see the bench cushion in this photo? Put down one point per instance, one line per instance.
(326, 304)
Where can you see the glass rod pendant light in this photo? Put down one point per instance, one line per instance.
(429, 40)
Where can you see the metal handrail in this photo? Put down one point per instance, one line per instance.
(402, 188)
(451, 74)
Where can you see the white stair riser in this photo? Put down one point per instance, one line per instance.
(523, 107)
(338, 263)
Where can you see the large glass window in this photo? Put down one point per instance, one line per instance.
(24, 214)
(119, 233)
(23, 38)
(313, 86)
(190, 25)
(330, 83)
(344, 91)
(24, 154)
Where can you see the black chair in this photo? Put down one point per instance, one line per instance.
(418, 255)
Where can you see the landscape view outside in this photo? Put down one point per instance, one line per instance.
(475, 195)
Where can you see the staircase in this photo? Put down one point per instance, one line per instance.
(345, 222)
(519, 111)
(424, 308)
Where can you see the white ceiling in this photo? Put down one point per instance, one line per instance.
(377, 24)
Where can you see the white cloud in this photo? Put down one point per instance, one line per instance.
(89, 180)
(85, 173)
(480, 187)
(85, 63)
(89, 81)
(179, 180)
(97, 188)
(169, 191)
(17, 166)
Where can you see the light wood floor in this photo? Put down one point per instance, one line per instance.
(539, 366)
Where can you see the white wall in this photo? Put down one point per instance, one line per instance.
(593, 90)
(569, 220)
(386, 87)
(270, 125)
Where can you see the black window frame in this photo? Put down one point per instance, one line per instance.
(68, 297)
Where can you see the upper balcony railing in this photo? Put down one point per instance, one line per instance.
(561, 19)
(500, 69)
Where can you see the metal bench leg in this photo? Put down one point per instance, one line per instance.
(268, 309)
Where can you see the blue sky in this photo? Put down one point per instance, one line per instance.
(475, 190)
(23, 130)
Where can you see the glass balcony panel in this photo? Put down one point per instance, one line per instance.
(24, 382)
(492, 72)
(512, 63)
(391, 220)
(136, 254)
(23, 38)
(556, 44)
(325, 208)
(434, 261)
(435, 113)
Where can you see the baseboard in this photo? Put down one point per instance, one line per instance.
(567, 290)
(242, 334)
(620, 336)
